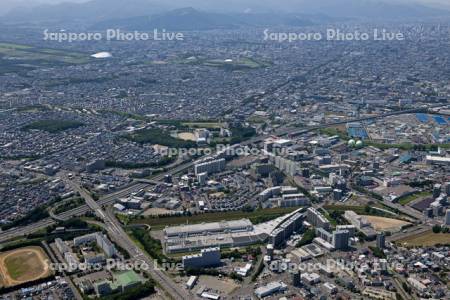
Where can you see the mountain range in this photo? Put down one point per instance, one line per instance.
(191, 19)
(214, 14)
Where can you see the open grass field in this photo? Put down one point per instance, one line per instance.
(411, 198)
(386, 224)
(425, 239)
(23, 265)
(18, 58)
(24, 52)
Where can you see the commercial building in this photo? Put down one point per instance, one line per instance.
(270, 289)
(224, 234)
(242, 225)
(207, 258)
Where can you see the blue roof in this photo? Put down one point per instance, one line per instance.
(440, 120)
(422, 118)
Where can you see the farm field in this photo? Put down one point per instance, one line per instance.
(23, 265)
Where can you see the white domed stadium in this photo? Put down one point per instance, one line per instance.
(102, 55)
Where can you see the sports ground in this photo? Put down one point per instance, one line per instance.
(23, 265)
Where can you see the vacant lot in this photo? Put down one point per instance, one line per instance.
(224, 286)
(23, 265)
(425, 239)
(386, 224)
(187, 136)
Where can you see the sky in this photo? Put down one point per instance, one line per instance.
(6, 5)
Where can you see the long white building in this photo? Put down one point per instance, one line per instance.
(210, 167)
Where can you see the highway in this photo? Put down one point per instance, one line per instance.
(116, 232)
(107, 200)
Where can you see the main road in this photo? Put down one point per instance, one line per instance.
(116, 232)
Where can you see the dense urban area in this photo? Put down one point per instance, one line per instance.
(226, 166)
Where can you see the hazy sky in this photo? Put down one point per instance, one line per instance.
(391, 1)
(6, 5)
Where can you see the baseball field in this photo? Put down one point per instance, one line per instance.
(23, 265)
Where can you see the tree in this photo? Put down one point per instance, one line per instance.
(437, 228)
